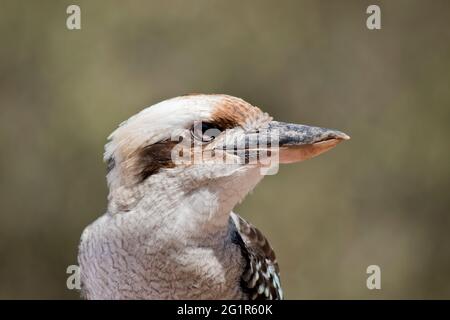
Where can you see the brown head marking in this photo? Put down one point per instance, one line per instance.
(150, 159)
(233, 112)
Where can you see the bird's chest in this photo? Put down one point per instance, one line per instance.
(193, 271)
(155, 264)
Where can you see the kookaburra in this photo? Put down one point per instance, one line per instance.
(169, 231)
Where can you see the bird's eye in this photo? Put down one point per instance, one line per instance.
(205, 131)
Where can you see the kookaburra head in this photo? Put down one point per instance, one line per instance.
(175, 172)
(216, 145)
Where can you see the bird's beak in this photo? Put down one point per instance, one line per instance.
(298, 142)
(280, 142)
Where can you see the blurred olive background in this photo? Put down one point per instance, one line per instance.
(381, 198)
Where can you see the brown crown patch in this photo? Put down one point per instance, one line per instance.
(233, 112)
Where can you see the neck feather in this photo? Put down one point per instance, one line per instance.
(170, 200)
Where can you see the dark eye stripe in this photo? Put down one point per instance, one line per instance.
(154, 157)
(110, 163)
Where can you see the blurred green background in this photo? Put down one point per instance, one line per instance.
(381, 198)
